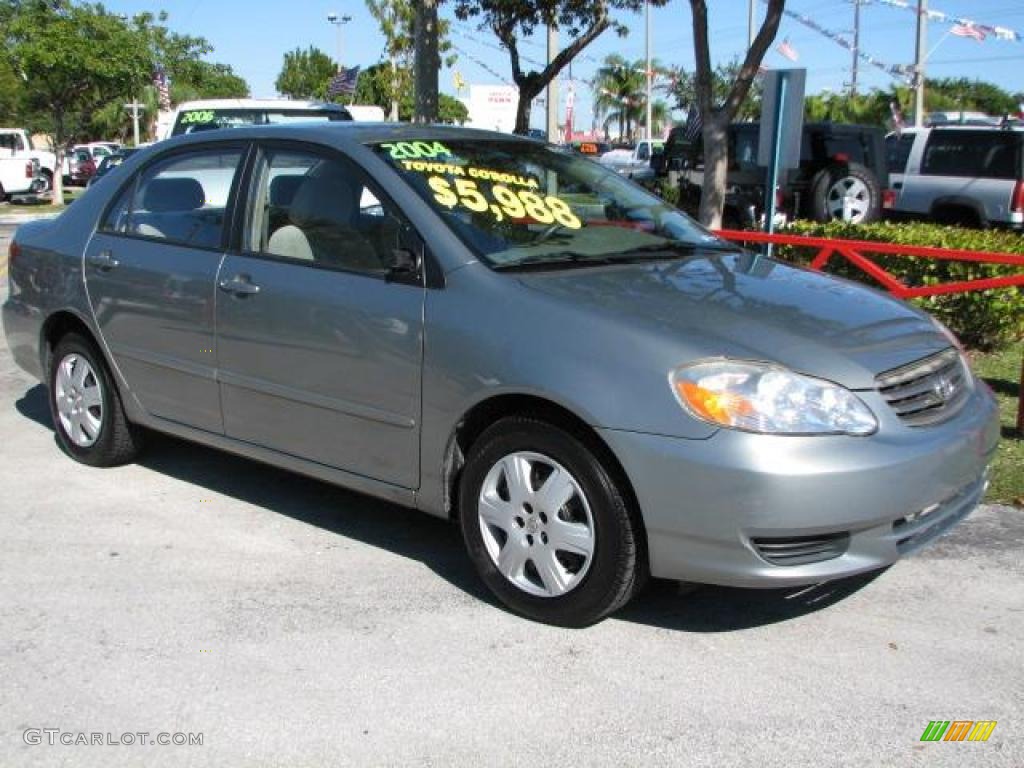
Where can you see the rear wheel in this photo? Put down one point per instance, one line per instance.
(545, 525)
(849, 193)
(88, 417)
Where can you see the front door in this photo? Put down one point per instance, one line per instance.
(151, 274)
(319, 341)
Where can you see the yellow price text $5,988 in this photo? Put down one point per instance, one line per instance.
(515, 205)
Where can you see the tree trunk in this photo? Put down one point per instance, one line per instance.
(718, 116)
(716, 166)
(394, 90)
(427, 63)
(58, 154)
(526, 97)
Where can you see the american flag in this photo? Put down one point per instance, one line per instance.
(694, 124)
(163, 89)
(785, 49)
(968, 30)
(343, 83)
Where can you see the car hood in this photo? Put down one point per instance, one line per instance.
(750, 307)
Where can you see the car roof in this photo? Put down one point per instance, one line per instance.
(277, 104)
(347, 133)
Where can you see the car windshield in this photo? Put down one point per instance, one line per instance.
(193, 120)
(517, 203)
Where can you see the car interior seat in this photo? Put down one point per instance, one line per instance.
(323, 226)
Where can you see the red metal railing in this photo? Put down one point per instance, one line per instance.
(854, 252)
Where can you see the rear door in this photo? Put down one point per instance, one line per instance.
(151, 273)
(319, 344)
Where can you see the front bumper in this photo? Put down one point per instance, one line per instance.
(709, 505)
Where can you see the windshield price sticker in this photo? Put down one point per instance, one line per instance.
(515, 204)
(198, 116)
(413, 150)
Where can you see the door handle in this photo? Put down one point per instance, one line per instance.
(897, 185)
(239, 285)
(104, 260)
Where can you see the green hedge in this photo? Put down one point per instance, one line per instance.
(983, 320)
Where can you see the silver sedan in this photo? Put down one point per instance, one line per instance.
(504, 334)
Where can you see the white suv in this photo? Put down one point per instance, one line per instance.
(972, 176)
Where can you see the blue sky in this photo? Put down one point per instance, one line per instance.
(253, 35)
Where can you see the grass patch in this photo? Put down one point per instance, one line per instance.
(1002, 372)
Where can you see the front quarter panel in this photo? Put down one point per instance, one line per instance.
(487, 336)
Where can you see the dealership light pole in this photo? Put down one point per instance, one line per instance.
(339, 22)
(647, 69)
(552, 95)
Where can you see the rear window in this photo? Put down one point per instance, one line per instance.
(194, 120)
(897, 150)
(976, 154)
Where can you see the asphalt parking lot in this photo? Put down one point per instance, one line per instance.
(293, 623)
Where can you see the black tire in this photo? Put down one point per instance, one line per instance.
(616, 566)
(823, 184)
(117, 440)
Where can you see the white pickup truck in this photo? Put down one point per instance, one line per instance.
(19, 177)
(16, 143)
(634, 163)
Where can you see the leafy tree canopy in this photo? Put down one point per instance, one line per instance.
(583, 20)
(374, 87)
(306, 74)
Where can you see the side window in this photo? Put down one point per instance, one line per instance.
(988, 154)
(898, 151)
(182, 200)
(321, 211)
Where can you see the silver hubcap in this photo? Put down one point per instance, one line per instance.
(536, 524)
(79, 400)
(849, 199)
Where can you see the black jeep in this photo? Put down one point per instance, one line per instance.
(843, 174)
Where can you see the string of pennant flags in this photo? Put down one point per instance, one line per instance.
(981, 31)
(898, 71)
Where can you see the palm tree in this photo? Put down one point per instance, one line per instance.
(620, 96)
(619, 93)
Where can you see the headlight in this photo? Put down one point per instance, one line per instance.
(758, 397)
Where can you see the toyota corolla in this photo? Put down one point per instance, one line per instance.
(498, 332)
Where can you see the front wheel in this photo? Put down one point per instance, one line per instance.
(547, 528)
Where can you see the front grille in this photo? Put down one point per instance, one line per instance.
(801, 550)
(927, 391)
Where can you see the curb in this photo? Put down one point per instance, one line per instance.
(21, 218)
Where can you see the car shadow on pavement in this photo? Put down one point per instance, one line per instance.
(706, 608)
(438, 544)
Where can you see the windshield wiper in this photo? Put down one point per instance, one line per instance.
(675, 247)
(559, 260)
(569, 259)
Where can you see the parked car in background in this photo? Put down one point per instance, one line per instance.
(508, 335)
(213, 114)
(96, 151)
(81, 166)
(972, 176)
(843, 174)
(17, 143)
(109, 163)
(634, 162)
